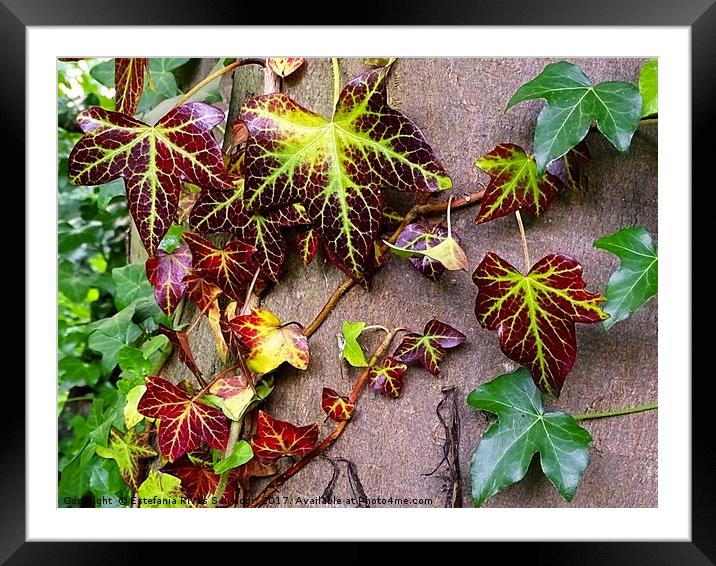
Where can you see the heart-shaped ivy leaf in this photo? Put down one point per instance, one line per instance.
(514, 183)
(429, 347)
(336, 407)
(275, 438)
(269, 343)
(534, 314)
(152, 160)
(337, 168)
(572, 104)
(284, 66)
(184, 422)
(388, 377)
(522, 429)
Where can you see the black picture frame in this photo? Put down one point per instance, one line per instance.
(699, 15)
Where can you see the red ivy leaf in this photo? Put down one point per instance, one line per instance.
(534, 314)
(336, 407)
(152, 160)
(284, 66)
(291, 216)
(230, 268)
(199, 483)
(185, 422)
(166, 273)
(569, 167)
(128, 83)
(201, 292)
(307, 242)
(275, 439)
(337, 168)
(180, 342)
(223, 211)
(388, 377)
(429, 347)
(514, 183)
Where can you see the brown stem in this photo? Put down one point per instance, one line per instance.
(216, 74)
(297, 466)
(421, 208)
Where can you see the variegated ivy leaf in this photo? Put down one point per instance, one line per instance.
(336, 407)
(275, 438)
(572, 104)
(429, 347)
(236, 393)
(269, 343)
(185, 422)
(223, 211)
(231, 267)
(307, 244)
(284, 66)
(515, 183)
(388, 377)
(127, 450)
(161, 490)
(166, 272)
(337, 168)
(422, 242)
(199, 481)
(152, 160)
(534, 314)
(568, 168)
(128, 83)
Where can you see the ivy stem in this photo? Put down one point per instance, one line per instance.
(234, 430)
(297, 466)
(336, 81)
(421, 208)
(376, 327)
(216, 74)
(528, 263)
(616, 412)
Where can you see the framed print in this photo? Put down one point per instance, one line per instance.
(405, 276)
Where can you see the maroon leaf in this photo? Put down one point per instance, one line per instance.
(388, 377)
(419, 237)
(534, 314)
(275, 439)
(184, 422)
(200, 482)
(152, 160)
(336, 407)
(200, 292)
(291, 216)
(230, 268)
(128, 83)
(166, 274)
(569, 167)
(429, 348)
(180, 342)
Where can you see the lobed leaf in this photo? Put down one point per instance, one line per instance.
(388, 377)
(336, 407)
(429, 347)
(127, 450)
(534, 314)
(284, 66)
(166, 273)
(128, 83)
(275, 438)
(337, 168)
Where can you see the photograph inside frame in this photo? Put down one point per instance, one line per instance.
(357, 282)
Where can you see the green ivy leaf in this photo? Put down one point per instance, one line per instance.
(350, 349)
(103, 73)
(161, 490)
(77, 373)
(649, 87)
(522, 429)
(73, 282)
(127, 450)
(112, 334)
(130, 284)
(636, 280)
(160, 70)
(242, 453)
(105, 480)
(572, 103)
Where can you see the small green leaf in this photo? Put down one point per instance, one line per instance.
(161, 490)
(132, 416)
(77, 372)
(572, 104)
(636, 280)
(111, 335)
(523, 428)
(74, 283)
(242, 453)
(350, 349)
(108, 192)
(172, 239)
(649, 87)
(103, 73)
